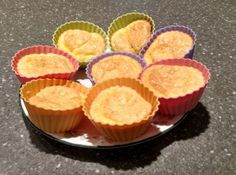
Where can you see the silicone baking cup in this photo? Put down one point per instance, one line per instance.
(127, 131)
(124, 20)
(39, 50)
(81, 25)
(185, 103)
(100, 57)
(54, 121)
(181, 28)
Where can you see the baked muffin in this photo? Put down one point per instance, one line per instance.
(57, 98)
(81, 44)
(35, 65)
(82, 39)
(121, 109)
(179, 84)
(171, 81)
(132, 37)
(114, 65)
(43, 62)
(54, 105)
(119, 105)
(169, 43)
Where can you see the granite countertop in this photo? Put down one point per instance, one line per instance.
(204, 143)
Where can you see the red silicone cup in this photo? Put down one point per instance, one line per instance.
(182, 104)
(45, 50)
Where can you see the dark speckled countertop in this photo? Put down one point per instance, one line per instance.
(204, 143)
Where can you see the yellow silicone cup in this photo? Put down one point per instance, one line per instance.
(81, 25)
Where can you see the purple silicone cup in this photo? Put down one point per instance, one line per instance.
(181, 28)
(100, 57)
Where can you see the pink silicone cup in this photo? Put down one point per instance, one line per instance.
(42, 49)
(185, 103)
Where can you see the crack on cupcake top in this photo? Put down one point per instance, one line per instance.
(132, 37)
(167, 45)
(81, 44)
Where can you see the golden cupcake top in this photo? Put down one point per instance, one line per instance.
(81, 44)
(34, 65)
(115, 66)
(58, 98)
(171, 44)
(172, 80)
(132, 37)
(119, 105)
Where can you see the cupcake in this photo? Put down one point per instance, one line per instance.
(43, 62)
(178, 83)
(54, 105)
(114, 65)
(121, 109)
(129, 32)
(83, 40)
(170, 42)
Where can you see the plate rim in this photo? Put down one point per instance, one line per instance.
(98, 147)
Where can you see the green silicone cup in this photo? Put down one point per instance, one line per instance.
(81, 25)
(124, 20)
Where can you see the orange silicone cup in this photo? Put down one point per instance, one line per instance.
(122, 132)
(55, 121)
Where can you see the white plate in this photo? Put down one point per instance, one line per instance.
(87, 136)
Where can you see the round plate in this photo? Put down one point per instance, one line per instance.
(87, 136)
